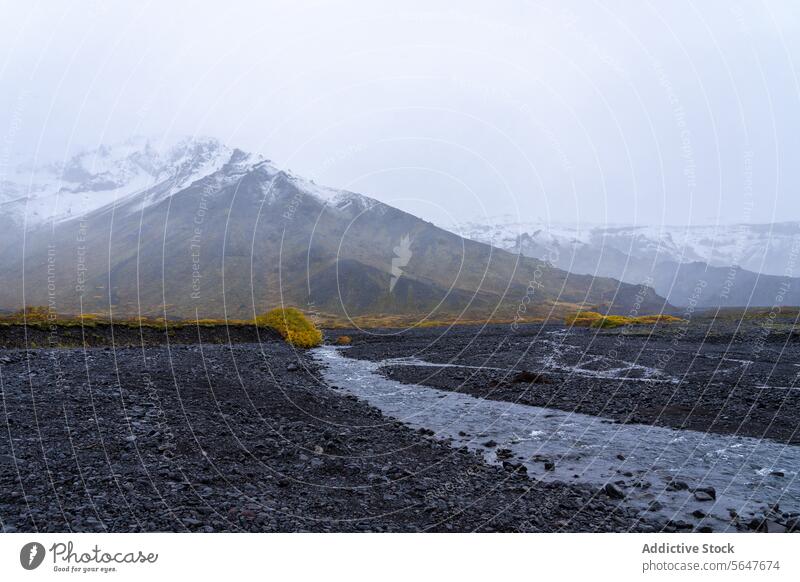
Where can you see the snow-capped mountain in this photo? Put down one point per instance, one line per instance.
(35, 193)
(138, 169)
(742, 264)
(201, 228)
(770, 249)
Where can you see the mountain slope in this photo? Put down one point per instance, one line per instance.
(766, 249)
(249, 236)
(34, 194)
(672, 262)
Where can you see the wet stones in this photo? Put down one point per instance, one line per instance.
(655, 506)
(614, 491)
(512, 466)
(677, 486)
(705, 493)
(680, 525)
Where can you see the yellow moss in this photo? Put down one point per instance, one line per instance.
(344, 340)
(597, 320)
(661, 318)
(583, 318)
(293, 326)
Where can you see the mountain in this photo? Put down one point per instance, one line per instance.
(34, 194)
(702, 265)
(221, 232)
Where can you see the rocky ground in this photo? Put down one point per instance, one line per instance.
(43, 335)
(727, 377)
(243, 438)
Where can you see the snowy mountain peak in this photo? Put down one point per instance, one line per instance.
(37, 193)
(144, 172)
(761, 248)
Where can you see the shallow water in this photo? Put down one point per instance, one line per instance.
(590, 449)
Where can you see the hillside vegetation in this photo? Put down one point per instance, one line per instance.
(598, 320)
(293, 326)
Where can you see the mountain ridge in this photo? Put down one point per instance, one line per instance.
(675, 260)
(249, 236)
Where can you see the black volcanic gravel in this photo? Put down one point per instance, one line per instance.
(723, 378)
(243, 438)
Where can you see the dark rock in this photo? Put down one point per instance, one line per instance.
(511, 466)
(614, 491)
(702, 496)
(709, 491)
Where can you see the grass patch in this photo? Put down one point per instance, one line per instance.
(293, 326)
(42, 318)
(599, 321)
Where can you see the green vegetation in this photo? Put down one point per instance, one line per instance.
(293, 326)
(600, 321)
(297, 329)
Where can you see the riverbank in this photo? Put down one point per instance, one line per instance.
(244, 438)
(730, 378)
(686, 479)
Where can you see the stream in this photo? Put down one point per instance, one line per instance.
(656, 468)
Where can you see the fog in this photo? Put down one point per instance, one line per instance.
(621, 112)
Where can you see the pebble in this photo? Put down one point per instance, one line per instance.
(614, 491)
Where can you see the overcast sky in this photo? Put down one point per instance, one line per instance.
(632, 111)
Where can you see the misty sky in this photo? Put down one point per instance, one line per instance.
(634, 111)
